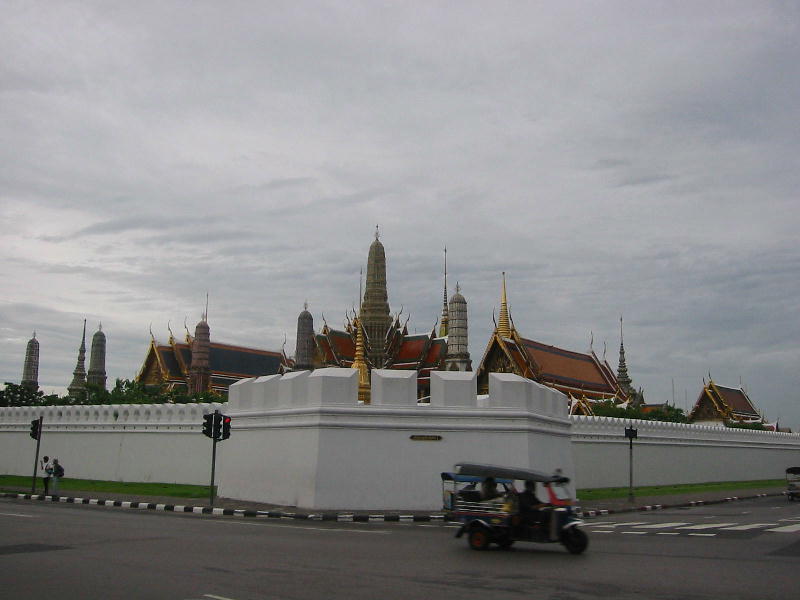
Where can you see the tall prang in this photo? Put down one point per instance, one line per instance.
(458, 337)
(200, 369)
(97, 359)
(304, 347)
(30, 370)
(624, 380)
(77, 389)
(374, 315)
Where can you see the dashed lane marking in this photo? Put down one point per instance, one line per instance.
(634, 532)
(667, 533)
(659, 525)
(16, 515)
(703, 534)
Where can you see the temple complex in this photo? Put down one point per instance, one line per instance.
(719, 405)
(384, 340)
(77, 389)
(199, 364)
(97, 359)
(30, 370)
(584, 378)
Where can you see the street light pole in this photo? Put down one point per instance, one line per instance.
(630, 433)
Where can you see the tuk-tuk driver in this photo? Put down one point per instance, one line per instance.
(529, 504)
(489, 489)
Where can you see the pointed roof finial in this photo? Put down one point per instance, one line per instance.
(305, 305)
(504, 324)
(458, 288)
(34, 334)
(205, 314)
(591, 341)
(445, 321)
(152, 337)
(99, 326)
(377, 233)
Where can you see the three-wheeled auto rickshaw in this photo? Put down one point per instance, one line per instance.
(488, 514)
(793, 483)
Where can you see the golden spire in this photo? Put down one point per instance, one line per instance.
(360, 363)
(504, 324)
(445, 324)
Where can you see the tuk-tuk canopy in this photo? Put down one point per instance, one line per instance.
(482, 471)
(447, 476)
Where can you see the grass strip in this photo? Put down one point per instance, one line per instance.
(113, 487)
(670, 490)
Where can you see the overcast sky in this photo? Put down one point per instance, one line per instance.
(635, 158)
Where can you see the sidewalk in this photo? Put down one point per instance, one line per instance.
(227, 506)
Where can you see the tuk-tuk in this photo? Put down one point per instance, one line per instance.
(793, 483)
(488, 514)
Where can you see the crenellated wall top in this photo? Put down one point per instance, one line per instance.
(614, 426)
(113, 414)
(395, 389)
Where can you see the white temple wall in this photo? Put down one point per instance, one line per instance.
(669, 453)
(303, 440)
(124, 442)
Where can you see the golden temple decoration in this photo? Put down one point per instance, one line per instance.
(360, 363)
(504, 323)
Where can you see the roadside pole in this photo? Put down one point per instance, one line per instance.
(630, 433)
(213, 466)
(37, 427)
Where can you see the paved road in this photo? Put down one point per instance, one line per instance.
(749, 549)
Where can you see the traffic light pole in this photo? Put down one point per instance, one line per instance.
(36, 460)
(213, 463)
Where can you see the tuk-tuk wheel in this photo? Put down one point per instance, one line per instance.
(479, 539)
(574, 540)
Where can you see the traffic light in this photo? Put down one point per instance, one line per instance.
(217, 425)
(226, 427)
(35, 432)
(208, 425)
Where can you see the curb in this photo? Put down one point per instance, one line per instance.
(648, 507)
(342, 517)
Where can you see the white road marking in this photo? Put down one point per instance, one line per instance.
(786, 528)
(748, 526)
(631, 524)
(603, 531)
(595, 523)
(659, 525)
(707, 526)
(703, 534)
(634, 533)
(216, 597)
(667, 533)
(331, 529)
(16, 515)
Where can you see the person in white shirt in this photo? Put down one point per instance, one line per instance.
(47, 471)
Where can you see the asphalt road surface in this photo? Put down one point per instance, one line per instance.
(748, 549)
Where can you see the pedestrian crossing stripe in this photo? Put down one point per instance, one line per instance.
(748, 526)
(706, 526)
(659, 525)
(786, 528)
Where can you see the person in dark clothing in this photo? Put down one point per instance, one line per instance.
(529, 505)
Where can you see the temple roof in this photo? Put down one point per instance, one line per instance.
(227, 363)
(729, 403)
(571, 369)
